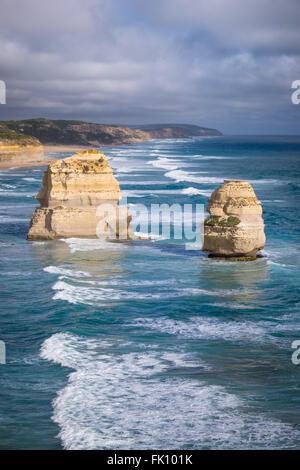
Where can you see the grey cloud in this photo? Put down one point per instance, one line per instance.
(32, 16)
(256, 24)
(178, 61)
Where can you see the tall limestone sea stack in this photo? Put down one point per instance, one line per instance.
(235, 228)
(79, 198)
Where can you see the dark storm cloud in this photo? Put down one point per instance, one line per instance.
(226, 64)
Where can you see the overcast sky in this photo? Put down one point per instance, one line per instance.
(227, 64)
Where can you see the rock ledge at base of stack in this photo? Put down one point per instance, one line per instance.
(235, 228)
(79, 198)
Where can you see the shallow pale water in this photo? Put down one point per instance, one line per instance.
(147, 344)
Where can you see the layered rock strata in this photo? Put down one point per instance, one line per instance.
(79, 198)
(19, 148)
(235, 228)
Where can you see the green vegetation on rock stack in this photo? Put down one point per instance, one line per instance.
(221, 222)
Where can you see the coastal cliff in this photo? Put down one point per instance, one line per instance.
(235, 228)
(177, 131)
(80, 133)
(19, 148)
(79, 198)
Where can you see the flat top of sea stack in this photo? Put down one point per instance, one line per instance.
(90, 154)
(86, 155)
(236, 181)
(87, 161)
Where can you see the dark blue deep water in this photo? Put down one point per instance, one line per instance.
(147, 344)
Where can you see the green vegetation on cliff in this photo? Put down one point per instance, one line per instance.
(71, 132)
(11, 137)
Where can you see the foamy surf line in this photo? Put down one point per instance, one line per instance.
(190, 191)
(76, 293)
(184, 176)
(63, 271)
(166, 163)
(90, 244)
(90, 409)
(210, 328)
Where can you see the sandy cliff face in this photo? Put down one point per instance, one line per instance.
(15, 153)
(72, 200)
(235, 227)
(19, 148)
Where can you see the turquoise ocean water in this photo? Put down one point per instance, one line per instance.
(147, 345)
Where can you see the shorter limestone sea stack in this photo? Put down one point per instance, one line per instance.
(235, 228)
(73, 190)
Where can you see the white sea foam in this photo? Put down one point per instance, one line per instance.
(165, 163)
(153, 192)
(4, 219)
(265, 181)
(207, 328)
(149, 236)
(285, 257)
(210, 157)
(62, 271)
(272, 201)
(75, 294)
(9, 193)
(127, 165)
(194, 191)
(102, 293)
(90, 244)
(142, 183)
(129, 193)
(30, 180)
(4, 187)
(182, 176)
(118, 281)
(134, 401)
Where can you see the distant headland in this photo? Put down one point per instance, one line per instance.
(30, 135)
(68, 132)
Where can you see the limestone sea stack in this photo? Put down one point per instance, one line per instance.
(235, 228)
(73, 190)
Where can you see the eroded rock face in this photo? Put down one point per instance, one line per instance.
(15, 153)
(235, 227)
(79, 198)
(18, 148)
